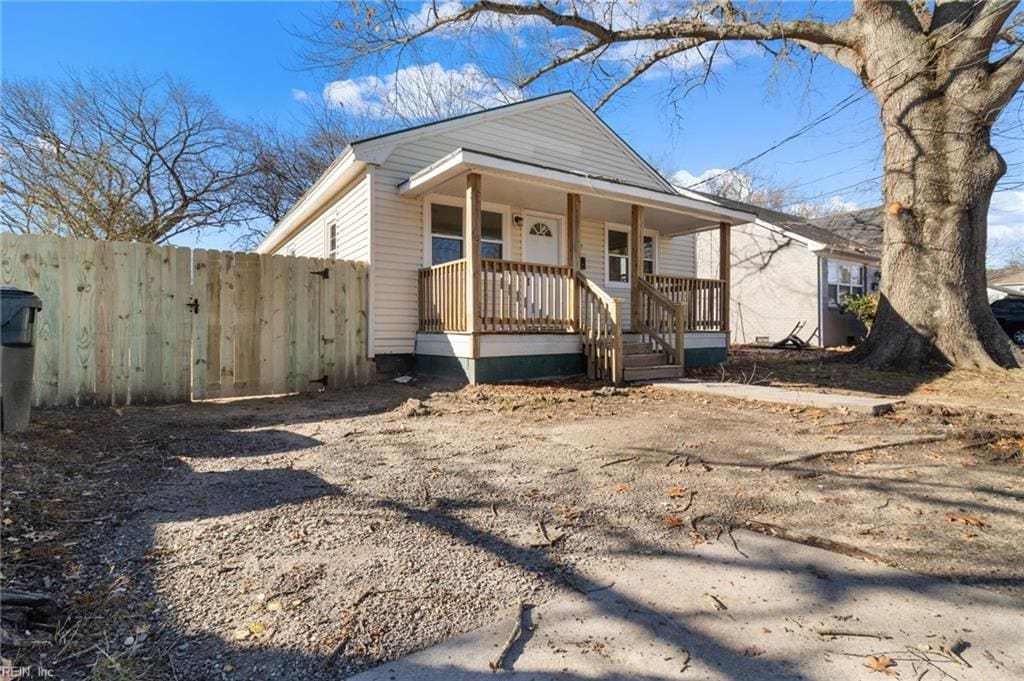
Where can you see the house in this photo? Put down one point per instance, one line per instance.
(788, 270)
(1004, 283)
(527, 240)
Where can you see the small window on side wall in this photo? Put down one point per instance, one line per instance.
(446, 234)
(332, 240)
(618, 256)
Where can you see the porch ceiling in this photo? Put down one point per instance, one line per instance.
(529, 186)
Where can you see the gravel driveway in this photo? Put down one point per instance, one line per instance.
(313, 537)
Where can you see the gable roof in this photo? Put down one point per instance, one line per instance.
(373, 150)
(388, 140)
(856, 232)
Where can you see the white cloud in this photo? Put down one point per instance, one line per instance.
(420, 92)
(1005, 226)
(300, 95)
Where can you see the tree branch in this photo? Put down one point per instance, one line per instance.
(1006, 79)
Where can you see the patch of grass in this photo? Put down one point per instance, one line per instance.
(109, 668)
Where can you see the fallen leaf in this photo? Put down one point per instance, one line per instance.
(973, 521)
(753, 651)
(676, 492)
(274, 605)
(257, 628)
(881, 663)
(241, 634)
(671, 521)
(620, 488)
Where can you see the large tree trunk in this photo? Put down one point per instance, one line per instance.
(940, 171)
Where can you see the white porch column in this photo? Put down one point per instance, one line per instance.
(725, 269)
(471, 244)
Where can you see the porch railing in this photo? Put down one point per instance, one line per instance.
(661, 320)
(704, 298)
(599, 322)
(443, 297)
(518, 297)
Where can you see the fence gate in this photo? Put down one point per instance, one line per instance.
(126, 323)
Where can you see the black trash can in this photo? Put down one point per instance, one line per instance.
(17, 355)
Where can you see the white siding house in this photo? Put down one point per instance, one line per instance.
(398, 201)
(789, 271)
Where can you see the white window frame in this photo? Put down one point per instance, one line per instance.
(852, 290)
(331, 253)
(619, 227)
(444, 199)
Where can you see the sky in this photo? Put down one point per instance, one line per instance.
(247, 57)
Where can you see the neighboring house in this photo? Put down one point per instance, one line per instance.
(581, 255)
(789, 270)
(1006, 282)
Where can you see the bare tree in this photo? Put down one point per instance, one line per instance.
(761, 190)
(288, 163)
(112, 157)
(940, 72)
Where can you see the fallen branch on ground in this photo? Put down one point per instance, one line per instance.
(612, 463)
(855, 450)
(817, 542)
(499, 662)
(847, 632)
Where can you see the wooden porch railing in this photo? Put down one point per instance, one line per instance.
(662, 320)
(443, 297)
(704, 298)
(525, 297)
(599, 322)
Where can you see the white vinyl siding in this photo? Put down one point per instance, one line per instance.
(774, 282)
(350, 213)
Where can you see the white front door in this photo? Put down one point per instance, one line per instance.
(542, 240)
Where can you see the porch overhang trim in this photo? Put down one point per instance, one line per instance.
(465, 160)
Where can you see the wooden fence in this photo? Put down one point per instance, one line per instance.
(126, 323)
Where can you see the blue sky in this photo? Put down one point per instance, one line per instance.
(246, 56)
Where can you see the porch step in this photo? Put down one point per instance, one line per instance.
(650, 373)
(637, 348)
(644, 359)
(630, 337)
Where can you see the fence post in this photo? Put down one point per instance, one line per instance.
(617, 353)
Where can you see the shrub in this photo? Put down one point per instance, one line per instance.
(863, 307)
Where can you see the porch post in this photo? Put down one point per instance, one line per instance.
(471, 245)
(573, 229)
(636, 264)
(725, 269)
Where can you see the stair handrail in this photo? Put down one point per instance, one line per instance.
(658, 316)
(598, 319)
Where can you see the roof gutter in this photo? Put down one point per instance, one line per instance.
(334, 179)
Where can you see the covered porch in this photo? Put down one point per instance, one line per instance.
(608, 299)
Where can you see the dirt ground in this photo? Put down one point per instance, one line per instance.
(312, 537)
(828, 371)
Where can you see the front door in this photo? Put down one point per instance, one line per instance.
(542, 240)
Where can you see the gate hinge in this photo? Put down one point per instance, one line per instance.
(325, 273)
(193, 304)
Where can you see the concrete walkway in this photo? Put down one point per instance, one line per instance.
(803, 398)
(712, 613)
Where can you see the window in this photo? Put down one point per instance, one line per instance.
(332, 240)
(618, 255)
(648, 254)
(844, 279)
(446, 234)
